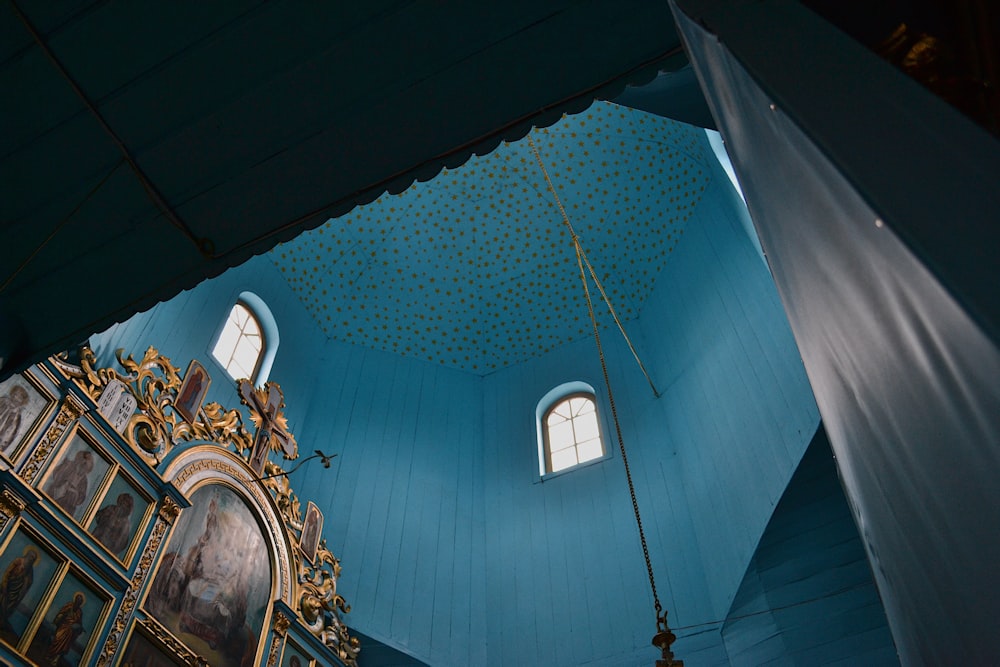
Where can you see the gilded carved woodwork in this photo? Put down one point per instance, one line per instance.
(286, 500)
(154, 430)
(265, 406)
(178, 648)
(280, 626)
(131, 598)
(319, 605)
(10, 507)
(69, 411)
(272, 655)
(157, 426)
(169, 510)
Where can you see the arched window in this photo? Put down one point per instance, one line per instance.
(569, 429)
(248, 340)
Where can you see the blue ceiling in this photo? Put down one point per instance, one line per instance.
(475, 270)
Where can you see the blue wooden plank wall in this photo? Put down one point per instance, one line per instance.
(737, 408)
(710, 459)
(808, 597)
(453, 550)
(403, 501)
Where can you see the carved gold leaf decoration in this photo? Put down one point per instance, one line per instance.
(284, 497)
(266, 404)
(156, 427)
(69, 411)
(320, 606)
(131, 597)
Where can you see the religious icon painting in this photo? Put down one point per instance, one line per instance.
(213, 583)
(24, 406)
(192, 392)
(27, 569)
(121, 513)
(76, 476)
(312, 528)
(69, 629)
(146, 651)
(293, 656)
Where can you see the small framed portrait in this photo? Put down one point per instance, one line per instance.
(192, 392)
(76, 476)
(312, 528)
(68, 632)
(27, 568)
(293, 656)
(122, 511)
(23, 409)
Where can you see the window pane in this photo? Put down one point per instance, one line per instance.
(240, 344)
(237, 370)
(573, 433)
(590, 450)
(561, 411)
(227, 341)
(245, 355)
(586, 427)
(252, 340)
(251, 327)
(563, 459)
(561, 435)
(580, 405)
(239, 315)
(555, 417)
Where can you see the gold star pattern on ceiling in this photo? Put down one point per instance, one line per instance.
(475, 269)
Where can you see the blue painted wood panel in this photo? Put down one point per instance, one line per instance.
(808, 597)
(453, 550)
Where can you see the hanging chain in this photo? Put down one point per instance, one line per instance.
(618, 432)
(581, 258)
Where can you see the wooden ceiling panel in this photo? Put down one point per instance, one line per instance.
(259, 120)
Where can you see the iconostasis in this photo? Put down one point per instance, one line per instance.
(140, 526)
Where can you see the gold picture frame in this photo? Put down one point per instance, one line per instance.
(192, 392)
(25, 407)
(76, 478)
(312, 531)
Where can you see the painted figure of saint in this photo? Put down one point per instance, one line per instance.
(11, 407)
(69, 625)
(190, 392)
(68, 483)
(16, 582)
(112, 524)
(309, 534)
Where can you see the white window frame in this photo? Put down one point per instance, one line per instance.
(268, 328)
(550, 400)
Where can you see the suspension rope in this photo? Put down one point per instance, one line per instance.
(581, 260)
(590, 268)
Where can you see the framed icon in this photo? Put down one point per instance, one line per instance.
(28, 568)
(293, 656)
(192, 391)
(118, 520)
(24, 406)
(69, 628)
(312, 529)
(76, 476)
